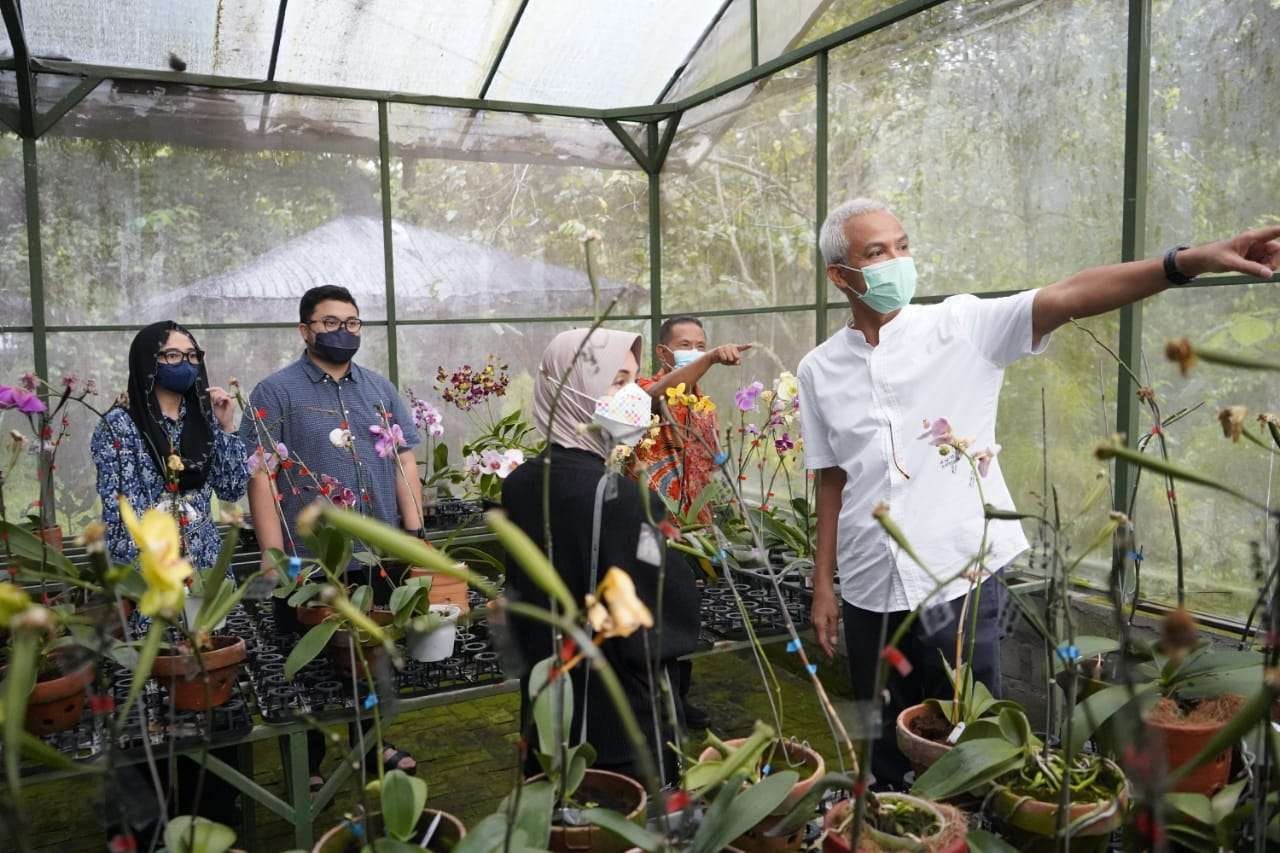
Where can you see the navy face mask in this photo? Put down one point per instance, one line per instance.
(338, 346)
(177, 378)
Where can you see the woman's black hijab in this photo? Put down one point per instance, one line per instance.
(197, 425)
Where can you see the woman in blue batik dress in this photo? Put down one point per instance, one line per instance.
(172, 412)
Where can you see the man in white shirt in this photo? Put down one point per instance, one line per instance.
(866, 395)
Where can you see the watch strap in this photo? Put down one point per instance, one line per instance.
(1171, 267)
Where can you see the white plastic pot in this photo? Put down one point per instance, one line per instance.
(436, 644)
(191, 608)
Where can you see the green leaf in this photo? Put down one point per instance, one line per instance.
(531, 559)
(804, 810)
(304, 594)
(545, 702)
(1014, 726)
(1224, 802)
(209, 837)
(979, 729)
(1102, 706)
(1090, 647)
(403, 799)
(32, 551)
(212, 579)
(19, 680)
(965, 767)
(1195, 806)
(636, 836)
(981, 841)
(406, 600)
(440, 457)
(311, 645)
(141, 672)
(745, 809)
(402, 546)
(533, 817)
(1209, 660)
(578, 759)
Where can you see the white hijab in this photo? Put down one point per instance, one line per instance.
(586, 375)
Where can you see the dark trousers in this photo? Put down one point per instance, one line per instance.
(286, 620)
(928, 677)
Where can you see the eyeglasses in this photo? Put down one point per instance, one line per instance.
(331, 324)
(177, 356)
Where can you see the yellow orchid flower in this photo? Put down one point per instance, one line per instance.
(615, 610)
(160, 553)
(704, 406)
(676, 395)
(13, 600)
(174, 463)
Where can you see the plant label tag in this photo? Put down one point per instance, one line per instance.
(955, 734)
(649, 548)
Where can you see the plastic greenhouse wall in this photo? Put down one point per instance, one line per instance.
(1019, 140)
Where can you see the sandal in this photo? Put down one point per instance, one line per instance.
(392, 756)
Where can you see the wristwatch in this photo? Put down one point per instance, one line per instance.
(1171, 267)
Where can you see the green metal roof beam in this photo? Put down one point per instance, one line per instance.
(697, 45)
(502, 50)
(630, 144)
(22, 64)
(664, 146)
(275, 42)
(755, 33)
(248, 84)
(66, 103)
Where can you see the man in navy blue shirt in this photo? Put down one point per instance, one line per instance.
(325, 428)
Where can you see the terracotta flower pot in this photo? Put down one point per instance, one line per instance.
(56, 704)
(612, 791)
(1182, 742)
(950, 839)
(310, 615)
(1029, 824)
(340, 646)
(444, 589)
(811, 767)
(181, 674)
(51, 536)
(920, 751)
(446, 837)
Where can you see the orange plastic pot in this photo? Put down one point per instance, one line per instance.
(56, 704)
(1183, 742)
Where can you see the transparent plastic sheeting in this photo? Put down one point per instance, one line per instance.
(571, 52)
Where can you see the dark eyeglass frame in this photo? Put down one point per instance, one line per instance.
(173, 357)
(332, 324)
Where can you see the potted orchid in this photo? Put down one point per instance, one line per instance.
(49, 425)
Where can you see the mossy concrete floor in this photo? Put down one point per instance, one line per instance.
(466, 753)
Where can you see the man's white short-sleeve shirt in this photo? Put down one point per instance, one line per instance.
(863, 409)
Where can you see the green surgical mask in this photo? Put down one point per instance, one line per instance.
(890, 284)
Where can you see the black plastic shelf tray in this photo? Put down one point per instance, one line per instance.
(320, 690)
(721, 615)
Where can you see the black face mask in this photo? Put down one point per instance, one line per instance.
(338, 346)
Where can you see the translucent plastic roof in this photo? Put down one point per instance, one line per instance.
(579, 53)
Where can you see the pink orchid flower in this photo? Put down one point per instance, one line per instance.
(390, 439)
(984, 457)
(938, 432)
(745, 398)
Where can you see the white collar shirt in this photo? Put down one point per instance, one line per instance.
(863, 410)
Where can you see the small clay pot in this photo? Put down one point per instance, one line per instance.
(606, 787)
(796, 756)
(444, 589)
(920, 751)
(310, 615)
(51, 536)
(56, 704)
(446, 837)
(834, 841)
(1024, 822)
(1182, 743)
(340, 646)
(181, 674)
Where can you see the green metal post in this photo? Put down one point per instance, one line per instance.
(755, 34)
(22, 66)
(299, 788)
(655, 240)
(35, 259)
(388, 264)
(502, 49)
(1133, 228)
(820, 199)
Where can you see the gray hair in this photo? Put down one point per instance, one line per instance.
(832, 240)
